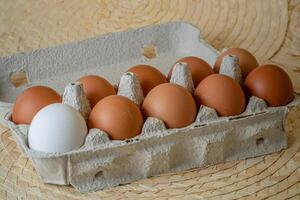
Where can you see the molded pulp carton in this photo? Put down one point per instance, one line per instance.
(102, 163)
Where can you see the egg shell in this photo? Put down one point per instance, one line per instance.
(199, 68)
(247, 61)
(148, 76)
(118, 116)
(57, 128)
(271, 83)
(171, 103)
(96, 88)
(222, 93)
(32, 100)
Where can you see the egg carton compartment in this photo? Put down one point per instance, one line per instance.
(101, 162)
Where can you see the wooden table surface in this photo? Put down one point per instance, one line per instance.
(270, 29)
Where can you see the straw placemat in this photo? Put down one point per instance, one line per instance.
(270, 29)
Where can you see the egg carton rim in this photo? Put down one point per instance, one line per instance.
(139, 138)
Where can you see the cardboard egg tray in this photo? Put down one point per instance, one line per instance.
(102, 163)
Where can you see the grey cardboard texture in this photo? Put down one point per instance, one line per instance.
(102, 163)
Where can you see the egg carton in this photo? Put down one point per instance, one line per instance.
(101, 162)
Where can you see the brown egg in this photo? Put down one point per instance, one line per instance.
(171, 103)
(96, 88)
(247, 61)
(32, 100)
(271, 83)
(118, 116)
(199, 68)
(148, 76)
(222, 93)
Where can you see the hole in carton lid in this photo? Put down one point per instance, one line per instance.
(260, 141)
(98, 175)
(149, 51)
(18, 78)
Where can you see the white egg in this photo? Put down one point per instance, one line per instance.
(57, 128)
